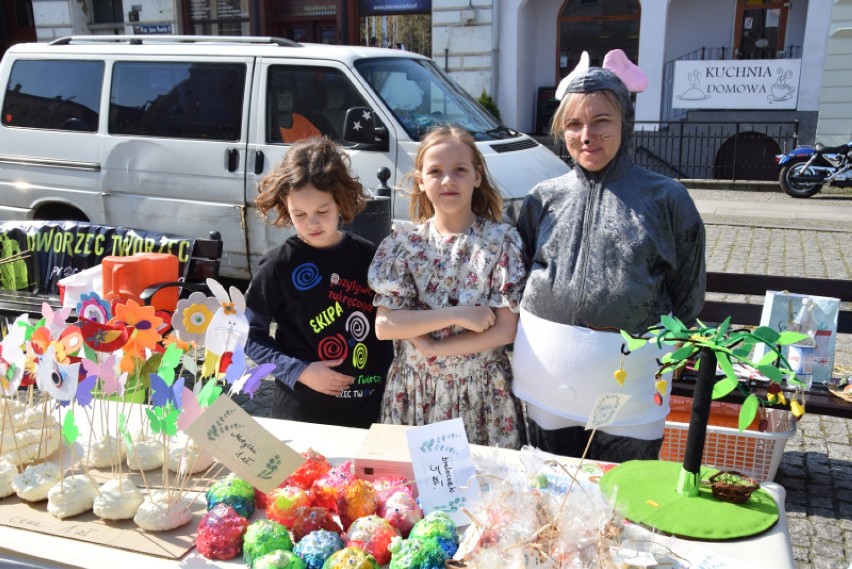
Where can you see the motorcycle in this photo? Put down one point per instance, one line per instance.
(805, 169)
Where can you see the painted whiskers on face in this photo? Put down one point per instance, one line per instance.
(593, 133)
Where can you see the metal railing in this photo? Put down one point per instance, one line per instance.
(711, 150)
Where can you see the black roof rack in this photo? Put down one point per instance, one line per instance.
(168, 38)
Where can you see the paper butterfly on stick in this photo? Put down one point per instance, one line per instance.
(55, 320)
(242, 379)
(164, 393)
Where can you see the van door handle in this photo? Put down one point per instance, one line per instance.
(258, 162)
(232, 156)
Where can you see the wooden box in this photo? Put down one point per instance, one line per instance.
(384, 452)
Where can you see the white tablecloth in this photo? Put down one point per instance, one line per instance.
(29, 549)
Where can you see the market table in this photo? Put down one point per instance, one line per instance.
(31, 549)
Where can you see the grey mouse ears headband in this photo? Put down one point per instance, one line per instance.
(617, 63)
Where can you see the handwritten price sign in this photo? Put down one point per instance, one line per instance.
(242, 445)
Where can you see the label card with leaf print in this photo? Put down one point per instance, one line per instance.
(443, 468)
(605, 409)
(239, 442)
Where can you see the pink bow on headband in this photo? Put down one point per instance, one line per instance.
(615, 61)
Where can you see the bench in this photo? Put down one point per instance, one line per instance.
(745, 313)
(38, 254)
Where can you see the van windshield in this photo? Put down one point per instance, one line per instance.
(420, 95)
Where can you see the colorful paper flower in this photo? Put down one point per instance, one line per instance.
(93, 307)
(144, 325)
(193, 316)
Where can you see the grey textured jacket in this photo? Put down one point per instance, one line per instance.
(616, 248)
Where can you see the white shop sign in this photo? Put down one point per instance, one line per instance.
(770, 84)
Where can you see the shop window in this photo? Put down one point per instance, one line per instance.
(597, 27)
(219, 17)
(107, 11)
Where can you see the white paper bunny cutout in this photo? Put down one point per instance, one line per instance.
(229, 326)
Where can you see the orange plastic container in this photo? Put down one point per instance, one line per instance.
(125, 278)
(752, 452)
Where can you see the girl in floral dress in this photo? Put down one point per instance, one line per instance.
(447, 291)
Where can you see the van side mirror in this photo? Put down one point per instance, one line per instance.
(360, 128)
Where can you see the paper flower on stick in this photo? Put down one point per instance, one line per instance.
(65, 343)
(93, 307)
(144, 326)
(193, 317)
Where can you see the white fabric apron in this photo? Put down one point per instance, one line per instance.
(562, 369)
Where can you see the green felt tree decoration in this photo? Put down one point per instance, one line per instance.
(724, 345)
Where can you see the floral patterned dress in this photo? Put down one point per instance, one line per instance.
(418, 268)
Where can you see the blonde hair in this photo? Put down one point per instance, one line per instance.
(572, 101)
(487, 200)
(316, 161)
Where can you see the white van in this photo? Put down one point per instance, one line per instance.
(172, 133)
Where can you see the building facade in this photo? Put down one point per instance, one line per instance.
(834, 126)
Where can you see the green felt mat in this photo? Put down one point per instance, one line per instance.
(646, 491)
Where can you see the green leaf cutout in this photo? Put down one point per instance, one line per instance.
(672, 324)
(730, 382)
(766, 335)
(723, 328)
(724, 386)
(633, 343)
(787, 337)
(70, 432)
(768, 358)
(770, 371)
(748, 411)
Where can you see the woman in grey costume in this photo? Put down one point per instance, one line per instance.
(609, 246)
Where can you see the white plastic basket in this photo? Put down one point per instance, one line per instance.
(753, 453)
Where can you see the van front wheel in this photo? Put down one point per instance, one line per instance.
(59, 212)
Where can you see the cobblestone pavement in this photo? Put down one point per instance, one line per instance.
(816, 469)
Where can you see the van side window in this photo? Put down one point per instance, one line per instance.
(56, 95)
(177, 100)
(307, 101)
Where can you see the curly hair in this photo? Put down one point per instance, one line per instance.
(487, 200)
(316, 161)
